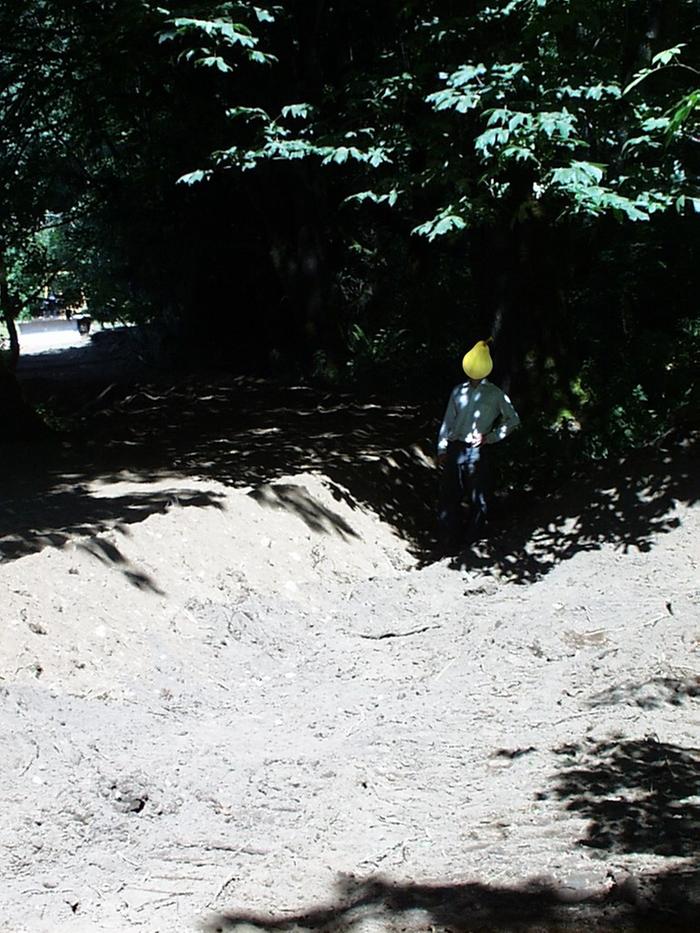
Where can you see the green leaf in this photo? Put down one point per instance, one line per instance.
(193, 178)
(214, 61)
(498, 117)
(264, 16)
(519, 153)
(377, 156)
(559, 123)
(507, 72)
(655, 123)
(589, 92)
(389, 198)
(297, 111)
(339, 155)
(667, 56)
(629, 208)
(465, 75)
(491, 139)
(578, 174)
(638, 141)
(682, 110)
(234, 34)
(444, 223)
(519, 119)
(262, 58)
(597, 91)
(459, 100)
(249, 112)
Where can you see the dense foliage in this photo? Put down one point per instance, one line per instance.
(355, 192)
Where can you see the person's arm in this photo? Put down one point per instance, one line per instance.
(447, 423)
(508, 421)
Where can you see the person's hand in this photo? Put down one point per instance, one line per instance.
(441, 458)
(475, 439)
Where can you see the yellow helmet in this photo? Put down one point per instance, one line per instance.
(477, 364)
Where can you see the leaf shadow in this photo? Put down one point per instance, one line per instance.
(373, 453)
(638, 796)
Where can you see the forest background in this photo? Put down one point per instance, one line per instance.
(353, 193)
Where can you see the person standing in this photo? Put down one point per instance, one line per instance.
(478, 415)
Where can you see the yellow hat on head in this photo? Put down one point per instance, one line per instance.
(477, 364)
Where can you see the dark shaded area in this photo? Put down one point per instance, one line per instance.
(627, 503)
(538, 905)
(247, 432)
(639, 795)
(241, 432)
(378, 453)
(277, 270)
(47, 501)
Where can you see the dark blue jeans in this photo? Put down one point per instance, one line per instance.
(465, 476)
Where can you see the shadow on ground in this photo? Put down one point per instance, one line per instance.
(639, 798)
(46, 500)
(628, 504)
(290, 497)
(538, 905)
(650, 694)
(251, 433)
(107, 553)
(639, 795)
(247, 434)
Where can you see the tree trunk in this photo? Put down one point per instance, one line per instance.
(9, 314)
(9, 319)
(18, 420)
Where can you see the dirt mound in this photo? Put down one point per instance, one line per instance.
(254, 704)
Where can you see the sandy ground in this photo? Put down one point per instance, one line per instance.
(51, 340)
(251, 703)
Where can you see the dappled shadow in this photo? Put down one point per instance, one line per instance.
(372, 452)
(47, 499)
(639, 795)
(651, 694)
(289, 497)
(628, 505)
(110, 555)
(250, 433)
(244, 433)
(639, 798)
(247, 432)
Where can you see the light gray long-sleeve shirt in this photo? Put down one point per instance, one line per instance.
(482, 407)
